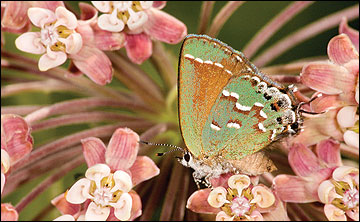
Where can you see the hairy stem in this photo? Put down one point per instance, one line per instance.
(74, 105)
(49, 181)
(305, 33)
(161, 59)
(275, 24)
(205, 14)
(223, 16)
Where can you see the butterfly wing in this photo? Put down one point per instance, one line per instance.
(202, 76)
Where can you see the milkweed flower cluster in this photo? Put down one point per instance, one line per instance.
(92, 54)
(63, 36)
(105, 192)
(237, 197)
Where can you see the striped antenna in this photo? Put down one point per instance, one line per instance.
(176, 148)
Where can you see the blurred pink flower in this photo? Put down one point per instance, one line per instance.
(59, 40)
(105, 192)
(312, 171)
(14, 14)
(237, 197)
(8, 212)
(338, 81)
(16, 142)
(140, 21)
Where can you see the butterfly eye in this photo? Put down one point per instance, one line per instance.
(187, 157)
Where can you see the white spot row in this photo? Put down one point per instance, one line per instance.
(207, 62)
(261, 127)
(242, 108)
(263, 114)
(233, 125)
(214, 127)
(273, 134)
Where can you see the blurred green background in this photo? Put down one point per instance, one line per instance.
(237, 31)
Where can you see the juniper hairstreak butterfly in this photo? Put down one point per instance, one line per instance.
(229, 111)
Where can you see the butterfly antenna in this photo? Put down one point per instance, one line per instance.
(162, 144)
(303, 103)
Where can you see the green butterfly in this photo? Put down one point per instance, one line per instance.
(229, 111)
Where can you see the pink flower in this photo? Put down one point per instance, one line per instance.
(338, 81)
(312, 173)
(59, 40)
(14, 14)
(237, 197)
(105, 192)
(16, 142)
(8, 213)
(141, 22)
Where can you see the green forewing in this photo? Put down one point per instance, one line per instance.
(207, 67)
(199, 85)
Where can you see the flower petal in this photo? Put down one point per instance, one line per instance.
(105, 40)
(93, 150)
(351, 138)
(350, 32)
(326, 102)
(97, 172)
(327, 77)
(65, 17)
(88, 14)
(15, 137)
(164, 27)
(79, 192)
(278, 213)
(136, 205)
(353, 214)
(93, 63)
(41, 16)
(138, 47)
(122, 149)
(256, 216)
(239, 182)
(159, 4)
(342, 173)
(14, 15)
(64, 206)
(136, 20)
(73, 43)
(222, 216)
(198, 203)
(293, 189)
(102, 6)
(97, 213)
(3, 180)
(66, 217)
(5, 161)
(341, 50)
(123, 207)
(221, 181)
(51, 59)
(329, 152)
(51, 5)
(333, 213)
(302, 160)
(143, 169)
(263, 196)
(346, 116)
(326, 192)
(30, 42)
(8, 212)
(217, 197)
(122, 181)
(106, 22)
